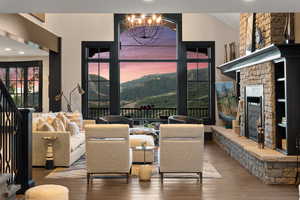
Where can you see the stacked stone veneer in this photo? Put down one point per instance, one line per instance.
(272, 28)
(261, 74)
(269, 171)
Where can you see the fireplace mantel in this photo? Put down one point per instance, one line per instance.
(266, 54)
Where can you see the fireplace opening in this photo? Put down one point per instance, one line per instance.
(254, 111)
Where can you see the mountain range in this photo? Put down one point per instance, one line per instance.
(155, 89)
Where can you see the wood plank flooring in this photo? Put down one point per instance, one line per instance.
(236, 184)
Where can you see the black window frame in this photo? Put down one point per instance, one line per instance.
(210, 45)
(85, 45)
(181, 69)
(174, 18)
(25, 65)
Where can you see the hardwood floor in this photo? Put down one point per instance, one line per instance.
(236, 184)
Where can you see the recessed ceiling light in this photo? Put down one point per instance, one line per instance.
(249, 1)
(21, 52)
(148, 1)
(7, 49)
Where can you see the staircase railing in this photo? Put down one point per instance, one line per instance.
(15, 147)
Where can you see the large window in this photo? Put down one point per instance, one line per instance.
(24, 82)
(148, 65)
(140, 75)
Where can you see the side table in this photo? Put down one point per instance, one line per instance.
(145, 170)
(49, 153)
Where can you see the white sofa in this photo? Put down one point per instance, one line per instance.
(107, 149)
(67, 148)
(181, 149)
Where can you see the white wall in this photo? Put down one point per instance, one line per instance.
(203, 27)
(45, 60)
(74, 28)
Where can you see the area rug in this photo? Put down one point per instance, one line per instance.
(78, 170)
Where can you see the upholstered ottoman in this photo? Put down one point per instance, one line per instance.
(138, 155)
(47, 192)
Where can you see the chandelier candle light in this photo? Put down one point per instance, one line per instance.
(144, 28)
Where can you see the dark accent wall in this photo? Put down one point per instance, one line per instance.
(55, 79)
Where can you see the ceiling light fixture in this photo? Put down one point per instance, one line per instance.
(7, 49)
(249, 1)
(144, 28)
(148, 1)
(21, 52)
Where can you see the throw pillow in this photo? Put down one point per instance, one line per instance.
(63, 118)
(45, 126)
(77, 118)
(58, 125)
(73, 128)
(50, 119)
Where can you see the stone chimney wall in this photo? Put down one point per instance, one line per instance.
(272, 28)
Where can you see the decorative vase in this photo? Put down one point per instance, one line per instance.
(236, 127)
(145, 172)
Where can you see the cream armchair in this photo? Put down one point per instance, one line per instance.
(181, 149)
(107, 149)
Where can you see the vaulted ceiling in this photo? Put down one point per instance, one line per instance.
(170, 6)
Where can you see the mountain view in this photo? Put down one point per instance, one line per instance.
(149, 83)
(155, 89)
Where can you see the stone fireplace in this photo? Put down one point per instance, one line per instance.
(259, 81)
(254, 110)
(268, 84)
(271, 26)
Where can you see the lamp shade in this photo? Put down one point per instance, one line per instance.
(80, 90)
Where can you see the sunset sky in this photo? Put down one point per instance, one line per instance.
(164, 48)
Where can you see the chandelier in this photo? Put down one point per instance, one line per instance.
(144, 29)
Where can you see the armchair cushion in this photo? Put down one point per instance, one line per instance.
(181, 148)
(113, 153)
(107, 131)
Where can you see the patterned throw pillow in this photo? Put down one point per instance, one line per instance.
(73, 128)
(63, 118)
(77, 118)
(45, 126)
(58, 125)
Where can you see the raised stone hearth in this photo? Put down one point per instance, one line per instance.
(271, 166)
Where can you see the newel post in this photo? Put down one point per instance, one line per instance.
(24, 160)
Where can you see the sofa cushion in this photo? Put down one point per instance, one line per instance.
(77, 140)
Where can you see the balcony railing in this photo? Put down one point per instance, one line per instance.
(150, 114)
